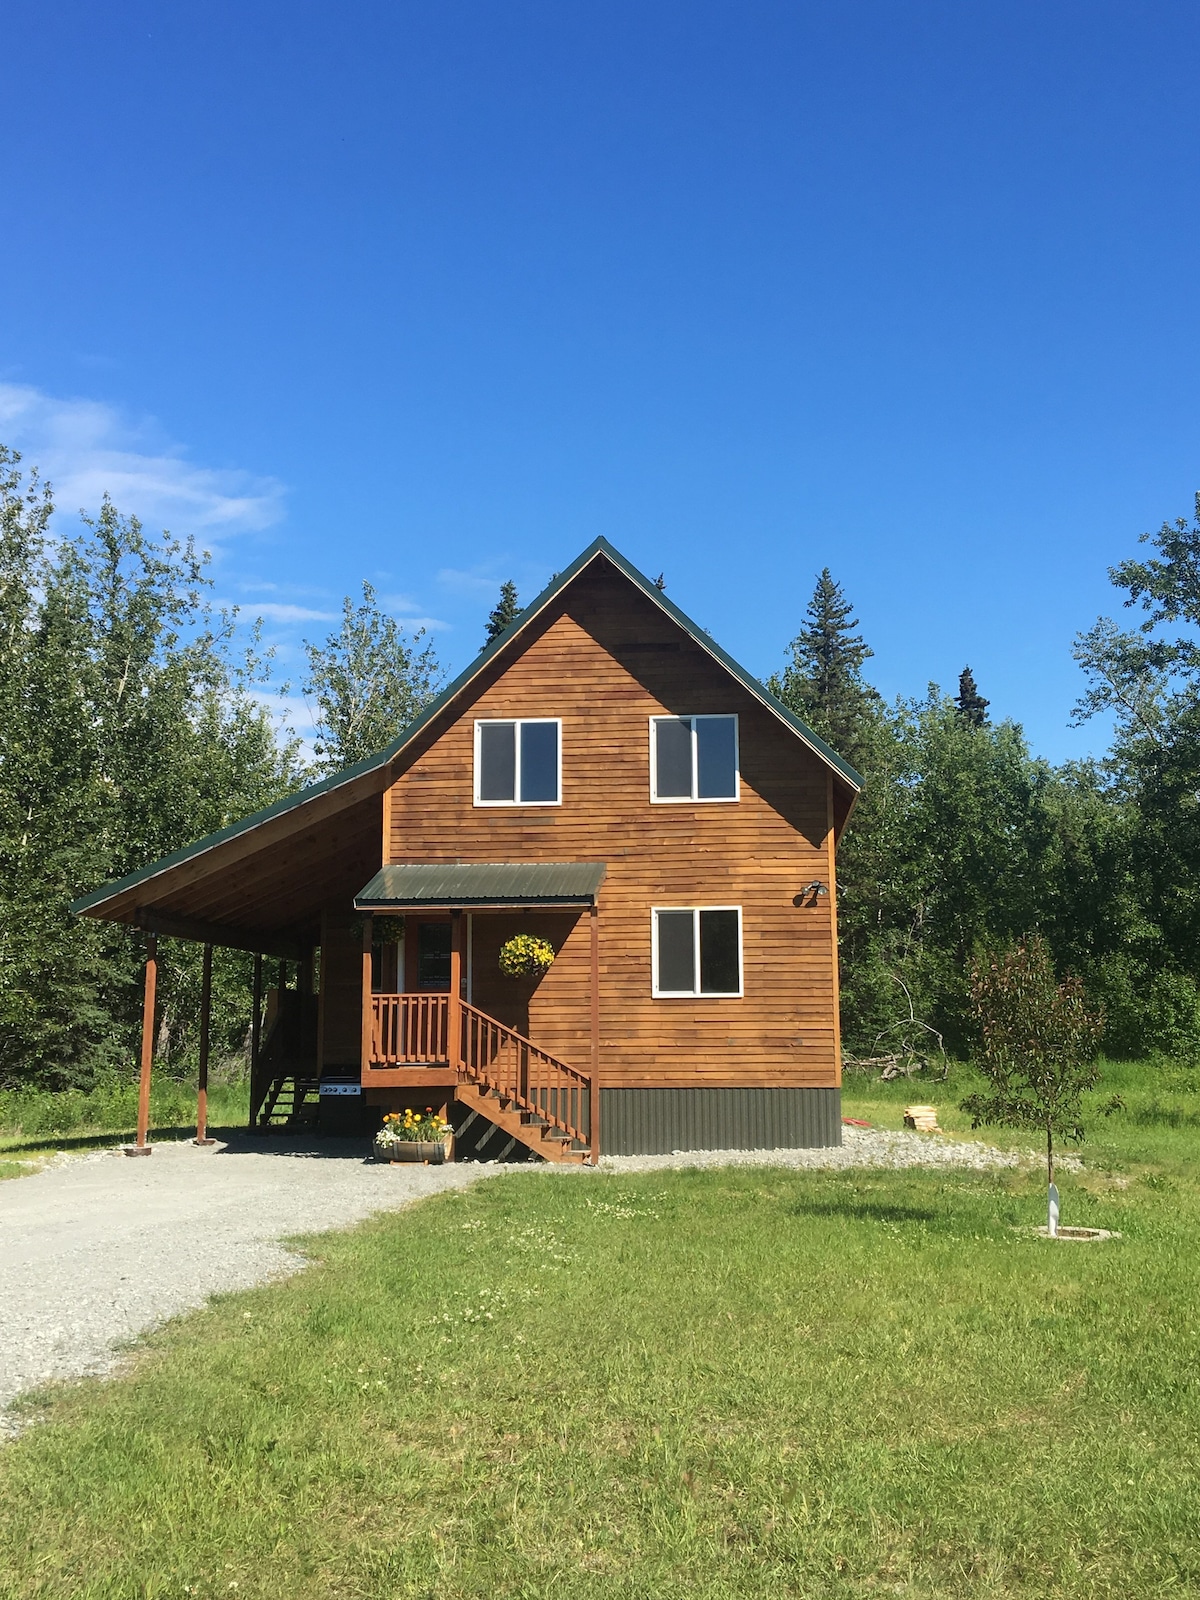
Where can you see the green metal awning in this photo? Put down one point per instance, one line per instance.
(450, 885)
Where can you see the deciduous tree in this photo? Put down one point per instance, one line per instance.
(130, 726)
(369, 680)
(1037, 1044)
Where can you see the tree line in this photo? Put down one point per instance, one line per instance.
(965, 842)
(133, 719)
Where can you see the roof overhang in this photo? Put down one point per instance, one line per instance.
(478, 885)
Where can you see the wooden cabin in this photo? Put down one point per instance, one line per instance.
(605, 778)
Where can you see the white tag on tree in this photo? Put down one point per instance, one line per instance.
(1052, 1226)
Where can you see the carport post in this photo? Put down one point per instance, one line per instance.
(141, 1148)
(255, 1038)
(205, 1020)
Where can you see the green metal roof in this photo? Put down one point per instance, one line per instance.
(362, 769)
(482, 883)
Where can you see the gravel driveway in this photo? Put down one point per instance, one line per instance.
(96, 1249)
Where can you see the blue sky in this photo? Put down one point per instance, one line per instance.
(433, 295)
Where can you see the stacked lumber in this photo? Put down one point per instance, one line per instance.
(922, 1118)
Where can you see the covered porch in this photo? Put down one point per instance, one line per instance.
(429, 931)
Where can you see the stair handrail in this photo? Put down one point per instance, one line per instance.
(541, 1081)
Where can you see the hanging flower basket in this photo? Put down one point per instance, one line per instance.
(525, 956)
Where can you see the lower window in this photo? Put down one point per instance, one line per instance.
(697, 950)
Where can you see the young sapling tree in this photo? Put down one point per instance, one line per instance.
(1038, 1042)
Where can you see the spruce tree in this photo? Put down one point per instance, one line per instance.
(823, 681)
(969, 703)
(506, 611)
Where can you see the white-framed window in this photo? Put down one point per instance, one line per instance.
(519, 762)
(693, 758)
(697, 950)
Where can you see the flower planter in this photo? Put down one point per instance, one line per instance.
(433, 1152)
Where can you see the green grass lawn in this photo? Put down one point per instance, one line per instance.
(742, 1382)
(35, 1123)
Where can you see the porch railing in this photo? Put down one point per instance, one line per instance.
(416, 1029)
(410, 1030)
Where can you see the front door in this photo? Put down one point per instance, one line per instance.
(433, 956)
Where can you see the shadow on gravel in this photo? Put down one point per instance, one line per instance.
(231, 1140)
(104, 1141)
(238, 1141)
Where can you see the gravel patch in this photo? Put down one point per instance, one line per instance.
(97, 1249)
(860, 1147)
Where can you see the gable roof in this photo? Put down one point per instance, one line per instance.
(599, 548)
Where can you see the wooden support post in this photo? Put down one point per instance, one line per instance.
(454, 1011)
(255, 1037)
(368, 1010)
(594, 1091)
(304, 983)
(205, 1030)
(142, 1148)
(322, 992)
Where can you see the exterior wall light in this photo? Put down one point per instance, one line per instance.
(814, 889)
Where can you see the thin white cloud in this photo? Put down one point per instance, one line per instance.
(407, 613)
(460, 581)
(88, 448)
(288, 711)
(485, 581)
(399, 603)
(279, 611)
(430, 624)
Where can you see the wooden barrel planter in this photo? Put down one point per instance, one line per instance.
(433, 1152)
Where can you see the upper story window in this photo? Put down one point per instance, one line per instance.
(518, 763)
(693, 758)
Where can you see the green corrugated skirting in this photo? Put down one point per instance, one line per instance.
(654, 1122)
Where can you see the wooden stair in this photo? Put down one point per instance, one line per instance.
(526, 1127)
(284, 1087)
(540, 1102)
(293, 1103)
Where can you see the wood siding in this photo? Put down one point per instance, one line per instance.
(339, 1025)
(604, 659)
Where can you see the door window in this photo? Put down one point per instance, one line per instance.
(433, 955)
